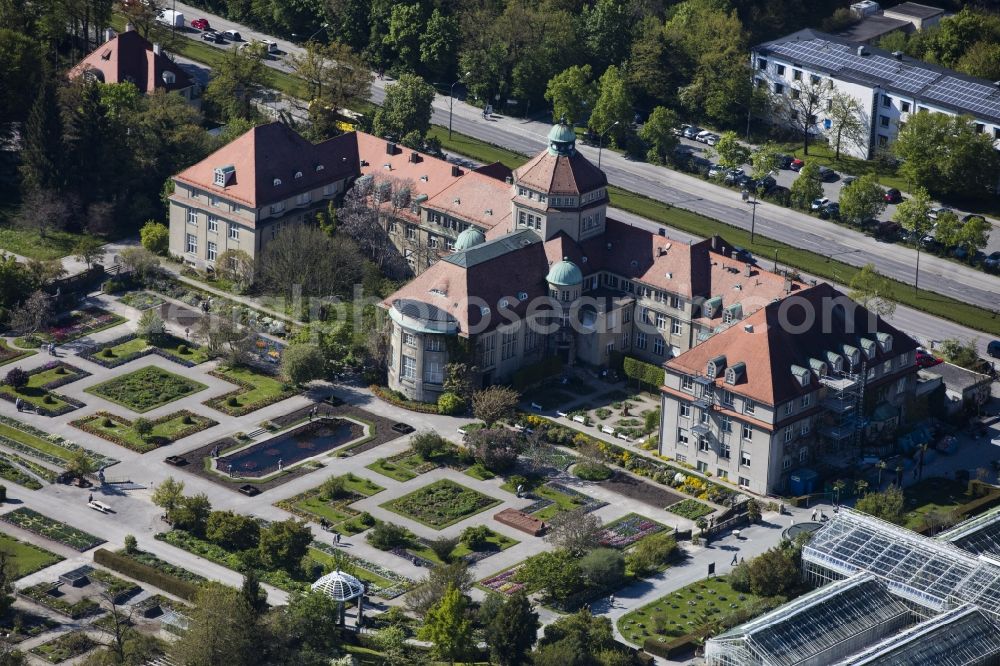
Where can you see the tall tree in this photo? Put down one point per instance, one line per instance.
(913, 215)
(801, 106)
(848, 122)
(873, 291)
(864, 199)
(764, 160)
(223, 631)
(650, 73)
(21, 74)
(406, 109)
(439, 45)
(732, 153)
(240, 77)
(973, 236)
(42, 156)
(510, 627)
(448, 626)
(614, 104)
(336, 79)
(406, 24)
(607, 27)
(494, 403)
(304, 258)
(658, 132)
(807, 186)
(572, 93)
(168, 494)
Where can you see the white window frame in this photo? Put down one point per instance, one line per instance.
(234, 231)
(211, 251)
(191, 243)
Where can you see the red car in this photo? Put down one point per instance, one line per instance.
(796, 164)
(925, 360)
(199, 24)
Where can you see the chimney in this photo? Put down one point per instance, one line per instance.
(109, 34)
(746, 269)
(456, 171)
(414, 157)
(129, 27)
(862, 51)
(157, 50)
(788, 284)
(510, 180)
(898, 55)
(390, 148)
(748, 328)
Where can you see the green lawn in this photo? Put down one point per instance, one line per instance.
(65, 647)
(256, 391)
(146, 388)
(39, 379)
(37, 397)
(933, 495)
(684, 611)
(26, 558)
(127, 348)
(29, 243)
(365, 575)
(394, 469)
(690, 508)
(166, 429)
(29, 440)
(441, 504)
(8, 354)
(342, 518)
(536, 486)
(495, 541)
(182, 349)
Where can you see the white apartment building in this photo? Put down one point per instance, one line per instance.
(887, 86)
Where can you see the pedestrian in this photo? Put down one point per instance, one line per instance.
(612, 601)
(17, 403)
(336, 539)
(741, 560)
(90, 498)
(814, 515)
(520, 490)
(733, 563)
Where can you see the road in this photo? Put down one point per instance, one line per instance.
(685, 191)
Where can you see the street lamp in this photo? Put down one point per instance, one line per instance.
(776, 259)
(600, 141)
(451, 100)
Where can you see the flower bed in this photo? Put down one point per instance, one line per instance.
(441, 504)
(627, 530)
(146, 388)
(690, 509)
(70, 374)
(505, 582)
(36, 523)
(661, 472)
(41, 593)
(39, 444)
(96, 354)
(9, 354)
(141, 300)
(57, 404)
(250, 396)
(75, 325)
(66, 646)
(122, 433)
(117, 588)
(9, 471)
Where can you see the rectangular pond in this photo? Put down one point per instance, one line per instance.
(289, 448)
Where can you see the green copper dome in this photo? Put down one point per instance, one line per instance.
(562, 139)
(471, 237)
(564, 273)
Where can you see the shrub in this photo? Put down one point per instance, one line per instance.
(187, 420)
(143, 427)
(497, 449)
(646, 373)
(427, 443)
(146, 574)
(333, 488)
(772, 573)
(107, 353)
(232, 401)
(603, 568)
(443, 547)
(476, 537)
(16, 378)
(155, 237)
(183, 349)
(739, 577)
(386, 536)
(366, 519)
(48, 399)
(450, 403)
(592, 471)
(106, 422)
(131, 545)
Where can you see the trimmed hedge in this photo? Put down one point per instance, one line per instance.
(981, 504)
(536, 372)
(646, 373)
(399, 400)
(147, 574)
(676, 648)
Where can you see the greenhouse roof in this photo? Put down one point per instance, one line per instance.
(958, 637)
(929, 572)
(822, 621)
(979, 535)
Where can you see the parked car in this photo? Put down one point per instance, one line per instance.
(715, 170)
(937, 212)
(893, 196)
(733, 175)
(712, 139)
(888, 230)
(199, 24)
(993, 348)
(925, 360)
(212, 36)
(679, 131)
(692, 131)
(819, 204)
(784, 161)
(826, 174)
(992, 262)
(796, 164)
(702, 136)
(831, 211)
(232, 35)
(847, 180)
(972, 216)
(766, 184)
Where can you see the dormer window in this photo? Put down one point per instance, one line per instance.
(733, 313)
(736, 373)
(868, 347)
(224, 175)
(885, 342)
(504, 303)
(169, 78)
(277, 182)
(715, 366)
(220, 178)
(801, 375)
(836, 361)
(853, 356)
(298, 174)
(818, 367)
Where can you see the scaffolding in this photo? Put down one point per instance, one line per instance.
(845, 393)
(827, 624)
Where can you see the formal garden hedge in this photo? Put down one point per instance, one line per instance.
(647, 373)
(399, 400)
(134, 569)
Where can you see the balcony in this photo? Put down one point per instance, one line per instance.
(700, 429)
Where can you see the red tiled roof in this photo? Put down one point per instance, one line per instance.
(560, 174)
(274, 151)
(130, 57)
(476, 198)
(782, 334)
(427, 175)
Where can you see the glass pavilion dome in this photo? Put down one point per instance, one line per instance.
(340, 586)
